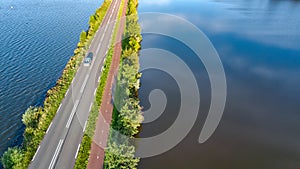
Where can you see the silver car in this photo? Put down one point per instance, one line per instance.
(88, 60)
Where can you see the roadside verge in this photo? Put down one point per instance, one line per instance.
(85, 151)
(38, 120)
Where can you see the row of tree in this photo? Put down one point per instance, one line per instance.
(37, 120)
(127, 115)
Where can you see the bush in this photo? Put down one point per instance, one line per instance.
(12, 158)
(37, 120)
(120, 156)
(127, 116)
(84, 151)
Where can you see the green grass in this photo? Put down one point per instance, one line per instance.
(84, 151)
(43, 116)
(127, 115)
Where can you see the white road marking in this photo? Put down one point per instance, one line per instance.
(95, 92)
(110, 16)
(36, 153)
(106, 26)
(84, 126)
(77, 151)
(84, 84)
(91, 107)
(98, 48)
(59, 108)
(56, 154)
(102, 39)
(59, 146)
(72, 114)
(49, 127)
(67, 92)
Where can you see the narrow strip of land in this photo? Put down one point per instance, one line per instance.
(59, 147)
(99, 143)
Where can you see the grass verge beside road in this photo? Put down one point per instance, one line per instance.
(127, 116)
(37, 120)
(84, 151)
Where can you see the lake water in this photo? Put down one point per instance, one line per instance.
(259, 46)
(258, 43)
(37, 38)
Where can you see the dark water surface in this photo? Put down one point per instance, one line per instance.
(259, 45)
(37, 38)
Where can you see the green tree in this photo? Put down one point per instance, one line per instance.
(92, 20)
(12, 157)
(120, 156)
(31, 117)
(83, 36)
(127, 115)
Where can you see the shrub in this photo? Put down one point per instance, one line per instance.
(12, 158)
(127, 116)
(37, 120)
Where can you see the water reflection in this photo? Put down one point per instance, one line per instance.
(258, 42)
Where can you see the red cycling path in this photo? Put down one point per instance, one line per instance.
(99, 143)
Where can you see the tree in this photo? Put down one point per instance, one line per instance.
(120, 156)
(12, 157)
(92, 20)
(31, 117)
(127, 116)
(83, 37)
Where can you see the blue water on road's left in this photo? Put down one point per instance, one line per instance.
(37, 38)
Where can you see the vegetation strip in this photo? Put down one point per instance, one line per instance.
(38, 119)
(84, 151)
(127, 115)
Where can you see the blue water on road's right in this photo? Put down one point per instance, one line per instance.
(259, 45)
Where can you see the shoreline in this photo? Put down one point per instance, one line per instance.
(34, 134)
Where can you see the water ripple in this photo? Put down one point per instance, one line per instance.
(39, 38)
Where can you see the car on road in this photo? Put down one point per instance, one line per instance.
(88, 59)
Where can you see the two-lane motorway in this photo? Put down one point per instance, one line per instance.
(61, 143)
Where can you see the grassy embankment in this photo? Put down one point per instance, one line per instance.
(84, 151)
(127, 116)
(38, 119)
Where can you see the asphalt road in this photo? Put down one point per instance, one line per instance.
(60, 145)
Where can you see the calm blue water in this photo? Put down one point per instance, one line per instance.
(259, 45)
(37, 38)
